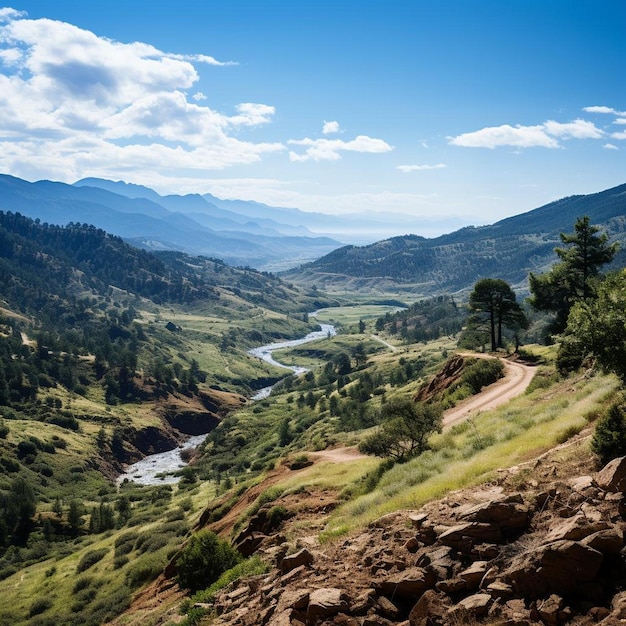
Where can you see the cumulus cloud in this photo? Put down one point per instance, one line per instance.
(7, 13)
(420, 168)
(73, 101)
(610, 146)
(330, 128)
(544, 135)
(620, 135)
(331, 149)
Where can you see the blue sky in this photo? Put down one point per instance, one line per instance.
(453, 112)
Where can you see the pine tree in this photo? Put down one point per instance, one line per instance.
(574, 277)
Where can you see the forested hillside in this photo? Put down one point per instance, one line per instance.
(508, 249)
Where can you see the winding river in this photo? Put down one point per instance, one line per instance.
(161, 468)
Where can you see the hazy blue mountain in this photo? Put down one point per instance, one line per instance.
(150, 221)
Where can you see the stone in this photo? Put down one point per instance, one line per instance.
(474, 574)
(431, 609)
(609, 541)
(248, 544)
(612, 477)
(476, 605)
(291, 561)
(292, 575)
(281, 619)
(562, 567)
(499, 589)
(508, 513)
(326, 601)
(576, 528)
(549, 610)
(294, 599)
(417, 519)
(412, 582)
(363, 602)
(464, 536)
(388, 608)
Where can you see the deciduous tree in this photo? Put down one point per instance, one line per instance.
(406, 427)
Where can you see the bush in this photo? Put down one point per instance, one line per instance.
(145, 570)
(90, 559)
(39, 606)
(203, 560)
(609, 440)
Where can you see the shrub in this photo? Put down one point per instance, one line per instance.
(204, 559)
(609, 440)
(90, 559)
(145, 570)
(39, 606)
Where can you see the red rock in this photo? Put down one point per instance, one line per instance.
(325, 602)
(412, 582)
(612, 477)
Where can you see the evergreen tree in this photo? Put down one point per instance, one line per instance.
(574, 277)
(493, 302)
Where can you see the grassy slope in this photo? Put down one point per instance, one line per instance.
(467, 454)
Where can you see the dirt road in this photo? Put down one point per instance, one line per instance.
(517, 377)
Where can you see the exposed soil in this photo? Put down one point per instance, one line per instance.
(517, 377)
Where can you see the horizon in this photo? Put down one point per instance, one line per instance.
(444, 112)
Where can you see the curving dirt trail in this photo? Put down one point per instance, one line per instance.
(517, 377)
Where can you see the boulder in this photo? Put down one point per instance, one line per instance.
(430, 610)
(612, 477)
(463, 537)
(473, 606)
(474, 574)
(291, 561)
(508, 513)
(363, 602)
(326, 601)
(609, 541)
(563, 567)
(576, 528)
(387, 608)
(412, 583)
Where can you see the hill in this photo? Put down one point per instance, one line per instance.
(508, 249)
(181, 223)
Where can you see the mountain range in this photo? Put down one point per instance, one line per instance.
(508, 249)
(299, 243)
(191, 223)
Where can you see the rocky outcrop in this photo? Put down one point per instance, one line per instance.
(550, 554)
(450, 373)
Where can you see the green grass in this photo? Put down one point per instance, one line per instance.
(470, 453)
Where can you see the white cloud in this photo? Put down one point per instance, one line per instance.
(201, 58)
(330, 149)
(579, 129)
(7, 14)
(505, 135)
(81, 104)
(620, 120)
(419, 168)
(610, 146)
(544, 135)
(604, 110)
(330, 127)
(621, 135)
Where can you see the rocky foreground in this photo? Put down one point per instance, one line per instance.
(544, 543)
